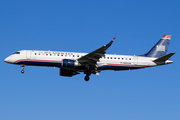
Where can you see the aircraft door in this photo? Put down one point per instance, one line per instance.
(28, 54)
(135, 60)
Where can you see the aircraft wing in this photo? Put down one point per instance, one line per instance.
(93, 57)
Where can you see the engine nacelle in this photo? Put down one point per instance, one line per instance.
(68, 73)
(67, 63)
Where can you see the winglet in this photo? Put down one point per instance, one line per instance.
(109, 44)
(113, 38)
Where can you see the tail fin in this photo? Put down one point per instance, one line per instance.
(161, 47)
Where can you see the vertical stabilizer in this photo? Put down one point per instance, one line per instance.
(161, 47)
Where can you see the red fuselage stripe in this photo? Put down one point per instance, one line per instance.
(35, 60)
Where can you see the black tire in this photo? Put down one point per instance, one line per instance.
(86, 78)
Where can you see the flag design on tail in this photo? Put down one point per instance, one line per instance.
(161, 47)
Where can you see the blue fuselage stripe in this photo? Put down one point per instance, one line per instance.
(39, 63)
(101, 67)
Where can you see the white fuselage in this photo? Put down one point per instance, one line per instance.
(54, 59)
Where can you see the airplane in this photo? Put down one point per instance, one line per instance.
(72, 63)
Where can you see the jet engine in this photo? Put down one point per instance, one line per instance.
(67, 73)
(68, 63)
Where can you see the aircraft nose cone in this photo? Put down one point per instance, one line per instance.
(7, 60)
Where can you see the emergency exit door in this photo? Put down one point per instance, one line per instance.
(28, 54)
(135, 60)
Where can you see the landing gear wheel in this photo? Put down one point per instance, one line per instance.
(22, 71)
(86, 78)
(23, 66)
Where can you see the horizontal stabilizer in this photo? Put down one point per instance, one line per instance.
(164, 58)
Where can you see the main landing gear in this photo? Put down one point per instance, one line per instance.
(88, 73)
(86, 78)
(23, 66)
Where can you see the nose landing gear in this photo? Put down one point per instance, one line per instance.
(22, 71)
(23, 66)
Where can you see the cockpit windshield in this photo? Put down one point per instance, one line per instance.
(17, 53)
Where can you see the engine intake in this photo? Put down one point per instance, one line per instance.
(67, 63)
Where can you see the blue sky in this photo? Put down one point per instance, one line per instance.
(83, 26)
